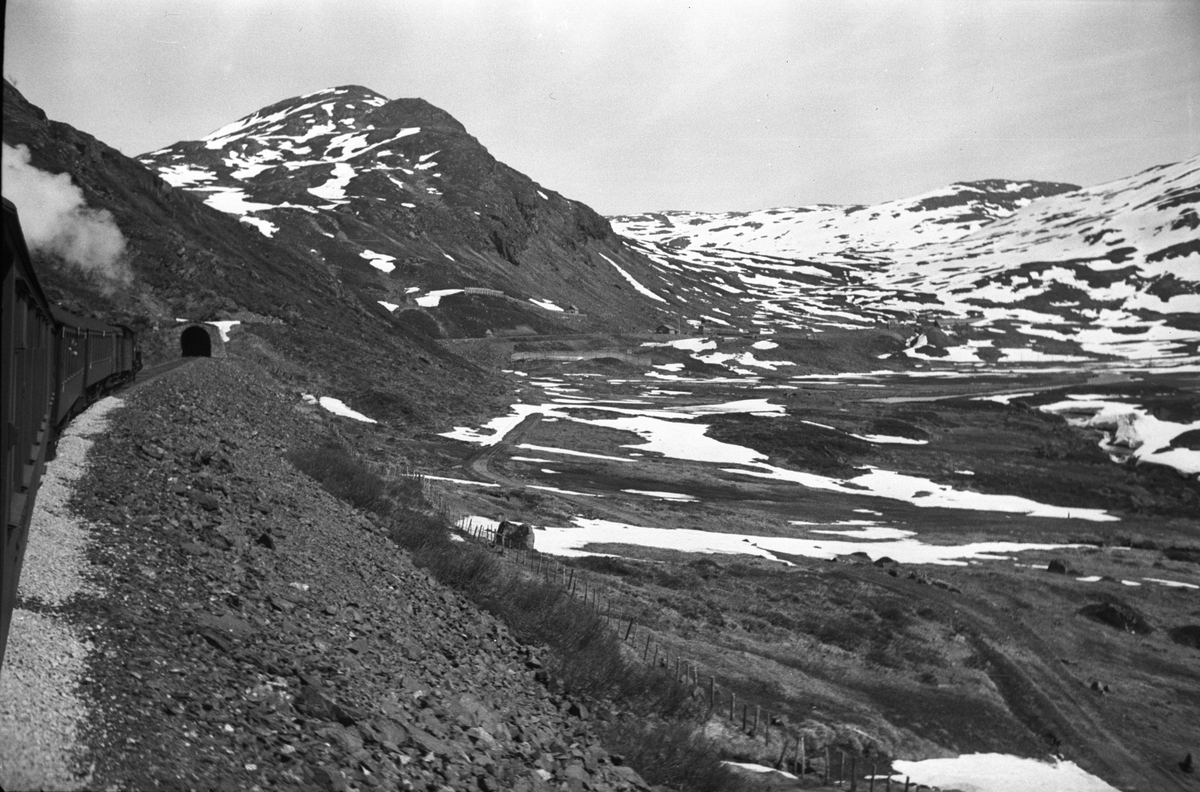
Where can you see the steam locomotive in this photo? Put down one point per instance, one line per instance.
(52, 365)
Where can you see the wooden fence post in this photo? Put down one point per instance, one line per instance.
(826, 772)
(767, 729)
(630, 630)
(803, 758)
(732, 705)
(757, 711)
(646, 651)
(853, 774)
(712, 693)
(744, 713)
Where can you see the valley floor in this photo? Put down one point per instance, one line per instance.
(929, 558)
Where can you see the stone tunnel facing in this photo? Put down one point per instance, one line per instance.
(195, 342)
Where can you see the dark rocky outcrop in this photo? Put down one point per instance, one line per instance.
(1118, 615)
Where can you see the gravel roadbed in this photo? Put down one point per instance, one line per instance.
(41, 712)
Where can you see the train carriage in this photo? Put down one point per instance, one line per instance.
(52, 365)
(92, 356)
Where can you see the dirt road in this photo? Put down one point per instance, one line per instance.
(1038, 687)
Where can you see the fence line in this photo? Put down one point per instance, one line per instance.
(794, 755)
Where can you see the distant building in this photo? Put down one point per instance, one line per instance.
(664, 329)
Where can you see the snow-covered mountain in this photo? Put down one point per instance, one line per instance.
(814, 232)
(1105, 272)
(414, 210)
(413, 213)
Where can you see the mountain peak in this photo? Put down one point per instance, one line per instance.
(416, 112)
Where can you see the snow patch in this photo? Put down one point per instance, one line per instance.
(337, 407)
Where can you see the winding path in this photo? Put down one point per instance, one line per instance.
(1039, 691)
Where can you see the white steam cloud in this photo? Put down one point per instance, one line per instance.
(56, 219)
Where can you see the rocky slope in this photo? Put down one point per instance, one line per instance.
(411, 209)
(254, 632)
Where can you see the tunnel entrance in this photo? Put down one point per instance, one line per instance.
(194, 342)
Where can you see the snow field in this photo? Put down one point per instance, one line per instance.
(672, 433)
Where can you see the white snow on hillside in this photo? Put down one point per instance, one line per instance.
(632, 280)
(813, 232)
(1058, 274)
(324, 133)
(1106, 272)
(379, 261)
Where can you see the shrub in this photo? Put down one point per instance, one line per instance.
(604, 564)
(673, 754)
(332, 466)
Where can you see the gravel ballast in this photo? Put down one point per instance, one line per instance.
(41, 712)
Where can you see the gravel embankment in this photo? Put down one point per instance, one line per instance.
(256, 633)
(45, 662)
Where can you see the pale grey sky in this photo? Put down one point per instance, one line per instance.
(636, 105)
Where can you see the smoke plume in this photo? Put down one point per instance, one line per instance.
(56, 219)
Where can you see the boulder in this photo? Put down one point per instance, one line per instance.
(1117, 615)
(518, 536)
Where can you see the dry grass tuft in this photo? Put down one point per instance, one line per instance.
(587, 658)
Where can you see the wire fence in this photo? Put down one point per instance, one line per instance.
(803, 755)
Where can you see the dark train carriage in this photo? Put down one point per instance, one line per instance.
(52, 365)
(91, 354)
(27, 390)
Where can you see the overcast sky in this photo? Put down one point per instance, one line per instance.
(636, 105)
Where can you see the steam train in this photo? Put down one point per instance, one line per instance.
(52, 365)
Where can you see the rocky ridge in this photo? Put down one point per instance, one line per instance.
(258, 634)
(410, 209)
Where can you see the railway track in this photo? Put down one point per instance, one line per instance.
(154, 372)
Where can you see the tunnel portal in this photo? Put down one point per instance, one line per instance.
(195, 342)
